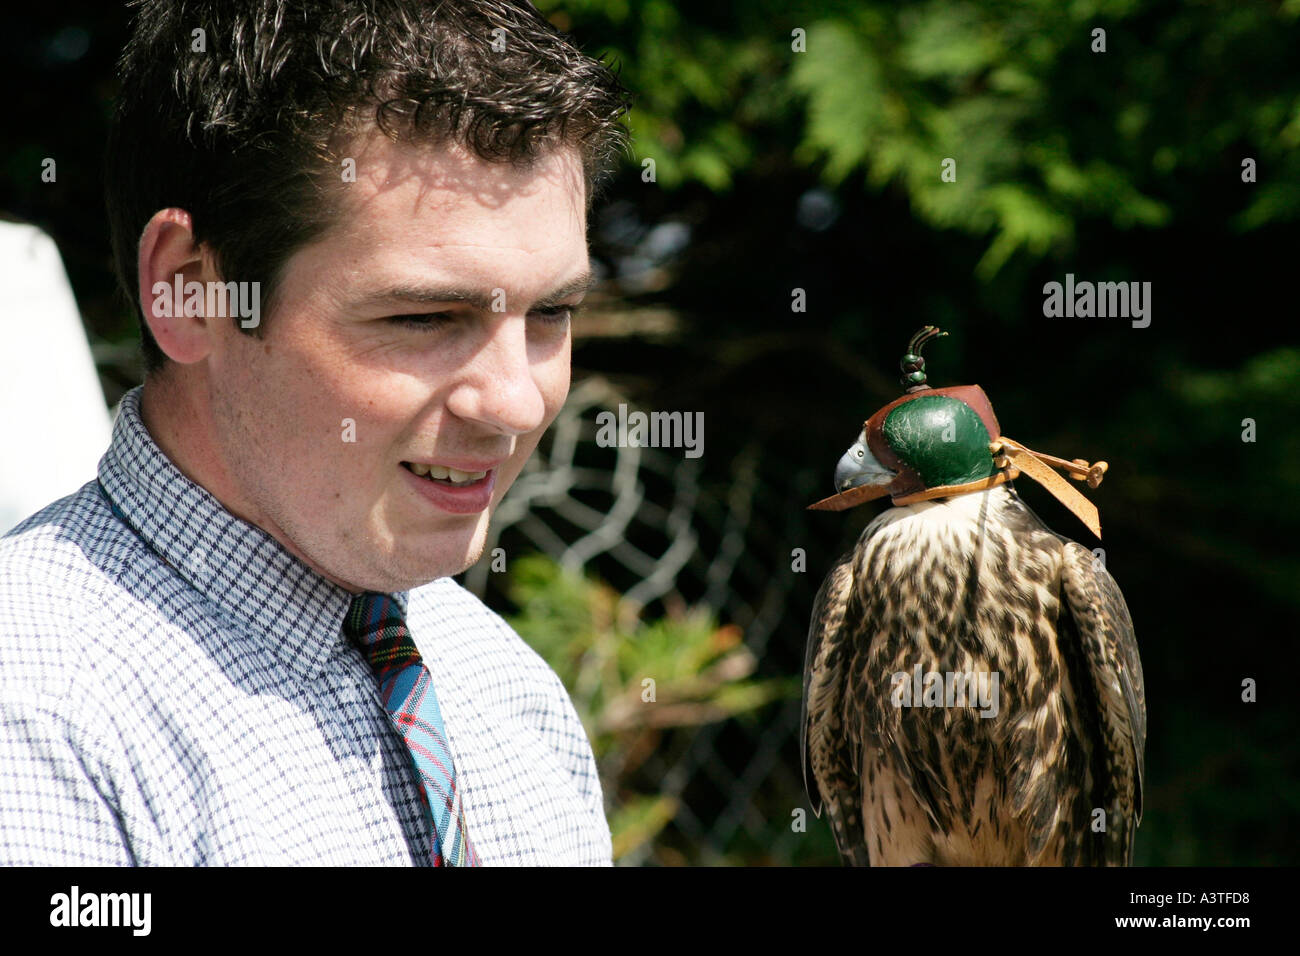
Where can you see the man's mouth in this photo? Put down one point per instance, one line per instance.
(445, 476)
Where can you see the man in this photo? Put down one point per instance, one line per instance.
(240, 645)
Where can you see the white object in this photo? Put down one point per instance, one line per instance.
(54, 424)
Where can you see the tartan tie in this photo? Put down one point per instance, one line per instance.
(374, 624)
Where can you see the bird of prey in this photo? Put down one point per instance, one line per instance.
(972, 689)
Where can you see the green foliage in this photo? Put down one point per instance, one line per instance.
(633, 681)
(1045, 131)
(972, 83)
(697, 85)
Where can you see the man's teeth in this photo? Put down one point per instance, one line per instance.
(446, 474)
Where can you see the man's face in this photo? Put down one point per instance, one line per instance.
(426, 327)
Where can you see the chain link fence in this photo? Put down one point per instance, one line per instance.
(668, 531)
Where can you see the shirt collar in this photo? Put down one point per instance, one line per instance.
(249, 576)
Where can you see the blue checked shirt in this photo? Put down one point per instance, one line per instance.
(176, 690)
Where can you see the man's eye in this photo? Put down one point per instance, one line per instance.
(423, 320)
(557, 313)
(552, 315)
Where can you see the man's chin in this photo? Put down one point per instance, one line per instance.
(450, 558)
(389, 583)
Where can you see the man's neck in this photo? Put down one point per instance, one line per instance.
(183, 429)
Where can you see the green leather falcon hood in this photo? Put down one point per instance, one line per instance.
(939, 442)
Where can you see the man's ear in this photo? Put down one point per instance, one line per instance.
(167, 250)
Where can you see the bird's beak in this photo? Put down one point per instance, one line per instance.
(859, 477)
(858, 467)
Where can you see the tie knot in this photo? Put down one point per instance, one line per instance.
(374, 623)
(369, 616)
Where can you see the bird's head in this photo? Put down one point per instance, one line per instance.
(940, 442)
(922, 441)
(928, 439)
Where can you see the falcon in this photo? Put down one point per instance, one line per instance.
(972, 688)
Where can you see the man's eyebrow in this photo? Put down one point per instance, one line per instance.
(579, 283)
(481, 299)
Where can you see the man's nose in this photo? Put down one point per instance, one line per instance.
(498, 387)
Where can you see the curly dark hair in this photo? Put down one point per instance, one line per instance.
(243, 123)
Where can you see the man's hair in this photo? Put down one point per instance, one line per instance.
(242, 124)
